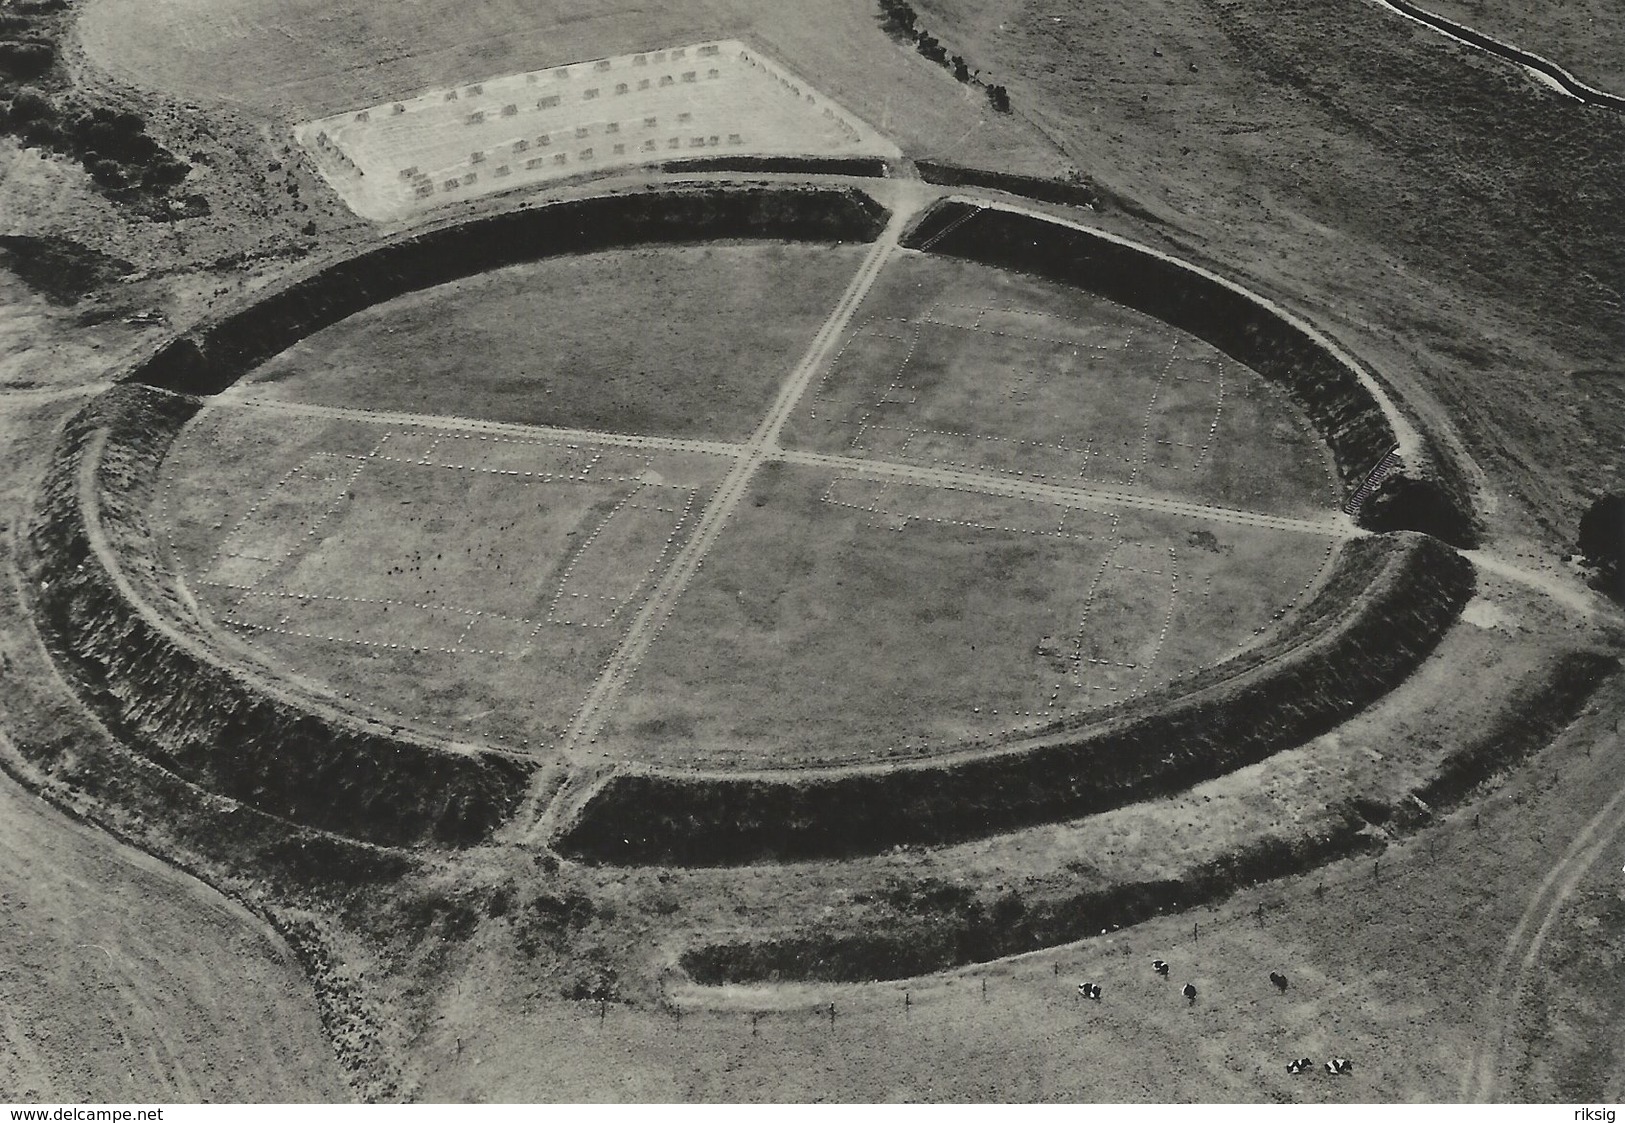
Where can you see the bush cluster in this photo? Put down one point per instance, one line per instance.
(902, 22)
(35, 106)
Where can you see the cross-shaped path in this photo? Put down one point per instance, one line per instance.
(579, 744)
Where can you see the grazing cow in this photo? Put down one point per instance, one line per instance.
(1338, 1066)
(1302, 1064)
(1278, 979)
(1160, 966)
(1190, 992)
(1089, 990)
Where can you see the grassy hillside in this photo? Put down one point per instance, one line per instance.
(1449, 218)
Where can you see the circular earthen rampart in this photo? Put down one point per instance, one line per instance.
(114, 618)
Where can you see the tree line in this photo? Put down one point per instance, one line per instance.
(902, 22)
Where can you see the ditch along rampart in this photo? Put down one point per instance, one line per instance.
(916, 930)
(859, 167)
(1035, 187)
(1346, 405)
(115, 624)
(1386, 605)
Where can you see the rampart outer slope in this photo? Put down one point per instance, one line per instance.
(101, 603)
(1377, 618)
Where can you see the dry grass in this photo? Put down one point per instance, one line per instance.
(439, 576)
(1451, 220)
(304, 60)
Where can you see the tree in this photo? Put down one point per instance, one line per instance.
(1602, 542)
(961, 69)
(900, 18)
(1000, 97)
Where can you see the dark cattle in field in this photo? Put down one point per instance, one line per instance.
(1160, 966)
(1089, 990)
(1190, 992)
(1337, 1066)
(1278, 979)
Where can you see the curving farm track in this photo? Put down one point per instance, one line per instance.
(1523, 947)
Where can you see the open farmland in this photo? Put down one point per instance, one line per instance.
(705, 99)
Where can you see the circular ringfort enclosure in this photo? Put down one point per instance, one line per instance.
(718, 524)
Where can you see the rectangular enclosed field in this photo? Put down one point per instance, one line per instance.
(392, 159)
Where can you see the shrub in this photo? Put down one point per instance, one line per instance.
(932, 49)
(163, 173)
(31, 105)
(108, 173)
(42, 133)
